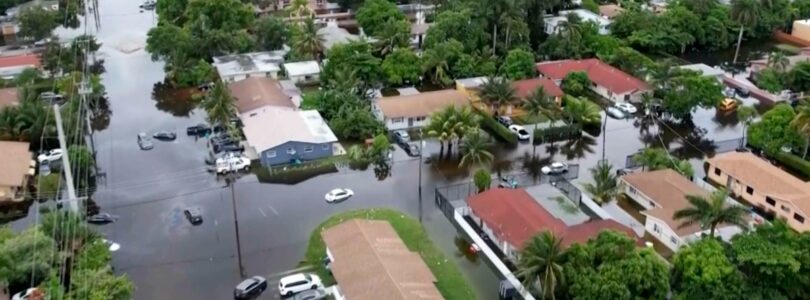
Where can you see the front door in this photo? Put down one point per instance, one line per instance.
(410, 122)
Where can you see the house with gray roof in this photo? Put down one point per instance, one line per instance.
(283, 136)
(303, 71)
(236, 67)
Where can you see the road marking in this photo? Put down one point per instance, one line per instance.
(262, 211)
(296, 270)
(273, 210)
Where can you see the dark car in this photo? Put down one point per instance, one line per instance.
(165, 136)
(227, 148)
(101, 218)
(412, 149)
(148, 5)
(250, 288)
(743, 91)
(198, 130)
(504, 120)
(223, 139)
(194, 215)
(317, 294)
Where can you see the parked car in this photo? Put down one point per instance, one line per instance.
(401, 137)
(30, 293)
(743, 92)
(218, 148)
(555, 168)
(317, 294)
(297, 283)
(508, 182)
(52, 98)
(338, 195)
(412, 149)
(521, 132)
(626, 107)
(194, 215)
(211, 159)
(165, 136)
(101, 218)
(615, 113)
(232, 164)
(198, 130)
(52, 155)
(504, 120)
(250, 288)
(223, 139)
(148, 5)
(145, 142)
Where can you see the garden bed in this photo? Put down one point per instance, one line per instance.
(451, 283)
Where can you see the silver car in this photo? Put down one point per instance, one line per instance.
(145, 142)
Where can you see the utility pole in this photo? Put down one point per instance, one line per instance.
(231, 180)
(72, 199)
(421, 152)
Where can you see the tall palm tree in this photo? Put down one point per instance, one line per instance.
(778, 61)
(437, 63)
(390, 36)
(465, 121)
(307, 41)
(220, 105)
(745, 114)
(745, 13)
(475, 147)
(442, 127)
(710, 211)
(651, 159)
(540, 264)
(801, 122)
(582, 111)
(497, 92)
(605, 186)
(299, 9)
(539, 103)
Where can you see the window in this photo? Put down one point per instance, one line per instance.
(674, 240)
(626, 97)
(799, 218)
(770, 201)
(785, 208)
(290, 151)
(656, 228)
(397, 120)
(749, 190)
(717, 171)
(420, 119)
(247, 75)
(271, 153)
(309, 148)
(325, 146)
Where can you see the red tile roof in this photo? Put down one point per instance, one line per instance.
(526, 87)
(600, 73)
(19, 60)
(515, 216)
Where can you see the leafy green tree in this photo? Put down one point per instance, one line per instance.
(540, 264)
(458, 25)
(591, 6)
(374, 13)
(519, 64)
(94, 255)
(605, 186)
(299, 9)
(702, 271)
(25, 257)
(82, 163)
(36, 23)
(778, 61)
(355, 124)
(799, 77)
(576, 84)
(226, 15)
(711, 211)
(582, 111)
(401, 66)
(746, 114)
(219, 104)
(801, 123)
(194, 73)
(772, 260)
(771, 81)
(271, 33)
(539, 103)
(100, 284)
(773, 131)
(172, 11)
(440, 59)
(391, 35)
(482, 180)
(329, 102)
(687, 92)
(357, 59)
(379, 148)
(475, 151)
(26, 122)
(48, 186)
(465, 67)
(498, 92)
(68, 229)
(307, 42)
(746, 14)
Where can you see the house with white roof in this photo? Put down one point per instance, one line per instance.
(554, 23)
(236, 67)
(303, 71)
(282, 136)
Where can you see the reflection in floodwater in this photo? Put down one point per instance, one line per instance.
(291, 175)
(382, 170)
(178, 102)
(101, 114)
(579, 147)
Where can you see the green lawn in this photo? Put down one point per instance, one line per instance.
(452, 284)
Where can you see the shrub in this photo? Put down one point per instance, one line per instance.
(482, 180)
(794, 162)
(555, 134)
(496, 129)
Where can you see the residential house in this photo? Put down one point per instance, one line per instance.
(523, 88)
(767, 187)
(333, 35)
(11, 66)
(413, 111)
(236, 67)
(705, 70)
(801, 29)
(510, 217)
(555, 23)
(282, 136)
(303, 71)
(16, 169)
(257, 92)
(662, 193)
(610, 11)
(9, 97)
(369, 261)
(607, 81)
(418, 32)
(319, 7)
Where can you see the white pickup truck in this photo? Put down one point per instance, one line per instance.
(232, 164)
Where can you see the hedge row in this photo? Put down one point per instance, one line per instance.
(498, 130)
(794, 162)
(557, 133)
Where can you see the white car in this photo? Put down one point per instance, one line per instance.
(521, 132)
(615, 112)
(338, 195)
(626, 107)
(113, 246)
(232, 164)
(53, 155)
(26, 294)
(297, 283)
(554, 168)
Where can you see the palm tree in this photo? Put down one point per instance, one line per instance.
(801, 122)
(745, 13)
(307, 41)
(582, 111)
(497, 92)
(651, 159)
(540, 264)
(605, 186)
(438, 63)
(538, 103)
(465, 121)
(220, 105)
(442, 127)
(475, 147)
(745, 114)
(710, 211)
(299, 9)
(778, 61)
(390, 37)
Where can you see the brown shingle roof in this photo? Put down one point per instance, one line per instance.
(9, 97)
(600, 73)
(371, 262)
(764, 178)
(255, 92)
(669, 190)
(15, 161)
(419, 105)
